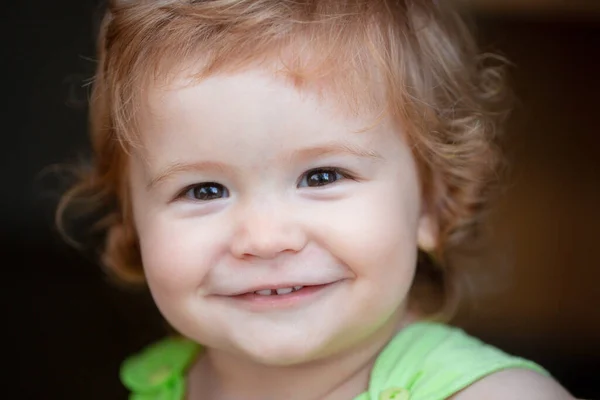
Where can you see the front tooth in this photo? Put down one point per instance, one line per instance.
(296, 288)
(284, 291)
(266, 292)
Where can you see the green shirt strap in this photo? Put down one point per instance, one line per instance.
(158, 372)
(432, 361)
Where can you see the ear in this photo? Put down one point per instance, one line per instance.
(428, 229)
(427, 232)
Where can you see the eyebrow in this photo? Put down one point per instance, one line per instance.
(329, 149)
(180, 167)
(336, 148)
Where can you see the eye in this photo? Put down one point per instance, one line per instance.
(321, 177)
(206, 191)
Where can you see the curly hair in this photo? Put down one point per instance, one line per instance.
(448, 98)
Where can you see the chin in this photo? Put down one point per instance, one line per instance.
(278, 350)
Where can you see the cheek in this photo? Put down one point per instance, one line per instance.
(385, 259)
(169, 246)
(176, 254)
(375, 234)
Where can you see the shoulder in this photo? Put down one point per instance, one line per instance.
(514, 384)
(436, 361)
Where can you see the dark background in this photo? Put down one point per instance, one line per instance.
(68, 329)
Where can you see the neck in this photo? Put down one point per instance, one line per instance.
(221, 376)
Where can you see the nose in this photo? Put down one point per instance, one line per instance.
(265, 231)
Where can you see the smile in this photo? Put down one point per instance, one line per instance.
(280, 291)
(281, 297)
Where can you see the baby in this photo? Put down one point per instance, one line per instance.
(288, 177)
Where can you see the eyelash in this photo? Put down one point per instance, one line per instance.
(339, 174)
(190, 189)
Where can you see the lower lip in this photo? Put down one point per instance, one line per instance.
(277, 301)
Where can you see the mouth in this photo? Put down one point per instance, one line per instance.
(278, 291)
(281, 291)
(280, 297)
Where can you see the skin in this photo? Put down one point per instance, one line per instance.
(225, 202)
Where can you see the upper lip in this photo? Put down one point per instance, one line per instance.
(274, 286)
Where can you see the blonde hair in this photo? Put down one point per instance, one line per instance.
(446, 96)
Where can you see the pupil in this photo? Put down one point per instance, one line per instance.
(208, 192)
(321, 178)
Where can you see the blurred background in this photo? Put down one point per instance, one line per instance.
(68, 328)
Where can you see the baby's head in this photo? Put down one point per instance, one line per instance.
(246, 149)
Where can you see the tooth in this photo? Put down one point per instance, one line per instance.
(284, 291)
(296, 288)
(266, 292)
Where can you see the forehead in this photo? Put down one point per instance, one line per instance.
(352, 92)
(253, 119)
(247, 91)
(256, 98)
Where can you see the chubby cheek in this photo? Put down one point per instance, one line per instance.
(175, 268)
(378, 244)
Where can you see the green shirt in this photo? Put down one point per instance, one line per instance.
(424, 361)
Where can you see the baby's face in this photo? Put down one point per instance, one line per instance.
(269, 227)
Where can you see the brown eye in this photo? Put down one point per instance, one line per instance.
(320, 177)
(207, 191)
